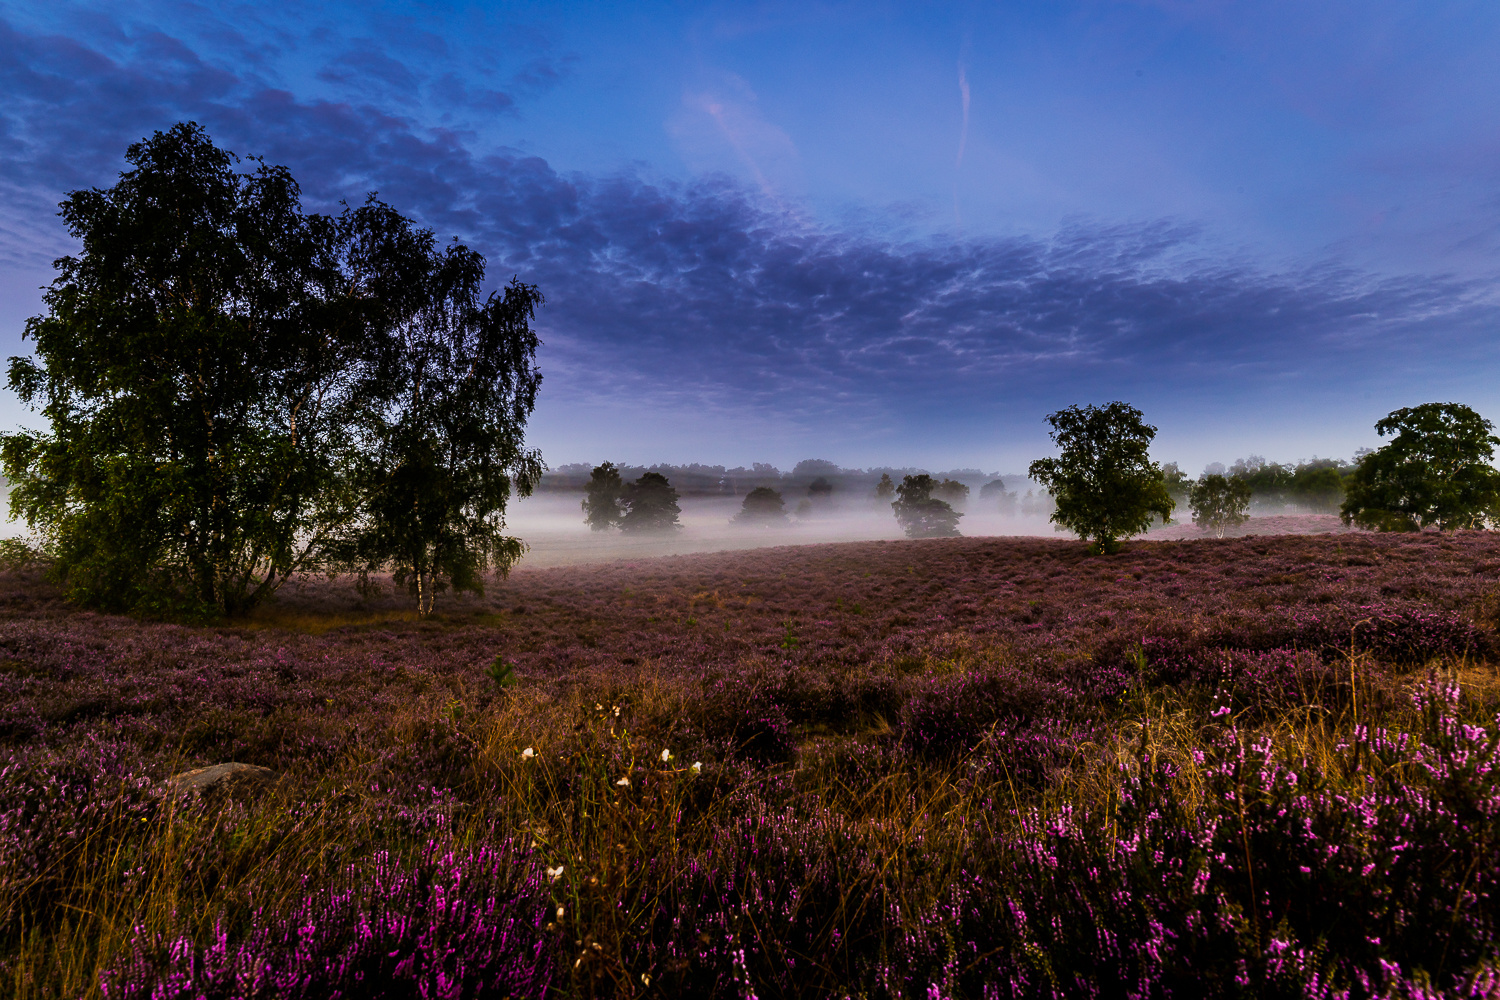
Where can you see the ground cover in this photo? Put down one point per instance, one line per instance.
(962, 767)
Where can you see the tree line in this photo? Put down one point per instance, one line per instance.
(239, 391)
(1435, 471)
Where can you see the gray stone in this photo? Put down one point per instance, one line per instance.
(231, 778)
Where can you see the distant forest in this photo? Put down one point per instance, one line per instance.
(1315, 484)
(716, 480)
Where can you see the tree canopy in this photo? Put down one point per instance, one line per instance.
(952, 492)
(920, 514)
(650, 505)
(1104, 483)
(1435, 470)
(603, 498)
(224, 375)
(762, 506)
(442, 435)
(1219, 502)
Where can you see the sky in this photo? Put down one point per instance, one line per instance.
(876, 233)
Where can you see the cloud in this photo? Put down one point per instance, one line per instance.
(723, 129)
(708, 295)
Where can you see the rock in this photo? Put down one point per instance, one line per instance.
(232, 779)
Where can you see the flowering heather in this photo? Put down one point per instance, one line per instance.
(1264, 766)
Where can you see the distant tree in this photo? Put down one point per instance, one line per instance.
(1219, 502)
(650, 505)
(919, 513)
(817, 467)
(762, 506)
(1318, 484)
(1268, 481)
(804, 508)
(1176, 481)
(602, 501)
(820, 493)
(885, 489)
(995, 492)
(1435, 471)
(993, 488)
(1104, 483)
(952, 492)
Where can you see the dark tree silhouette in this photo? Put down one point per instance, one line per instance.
(952, 492)
(603, 498)
(919, 513)
(650, 505)
(762, 506)
(885, 489)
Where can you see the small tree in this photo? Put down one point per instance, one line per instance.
(1104, 483)
(1219, 502)
(650, 505)
(762, 506)
(919, 513)
(603, 498)
(1435, 471)
(885, 489)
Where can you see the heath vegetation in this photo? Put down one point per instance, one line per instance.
(952, 767)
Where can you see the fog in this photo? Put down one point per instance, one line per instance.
(551, 523)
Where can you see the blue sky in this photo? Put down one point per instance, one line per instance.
(877, 233)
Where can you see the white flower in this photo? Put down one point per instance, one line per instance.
(554, 874)
(697, 767)
(528, 753)
(560, 912)
(666, 755)
(623, 783)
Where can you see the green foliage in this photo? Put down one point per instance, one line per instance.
(650, 505)
(1219, 502)
(239, 392)
(1104, 483)
(443, 437)
(502, 672)
(920, 514)
(1176, 481)
(196, 363)
(1435, 471)
(1318, 485)
(19, 554)
(762, 505)
(602, 507)
(789, 640)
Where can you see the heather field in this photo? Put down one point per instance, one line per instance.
(981, 767)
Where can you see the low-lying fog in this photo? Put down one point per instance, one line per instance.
(552, 524)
